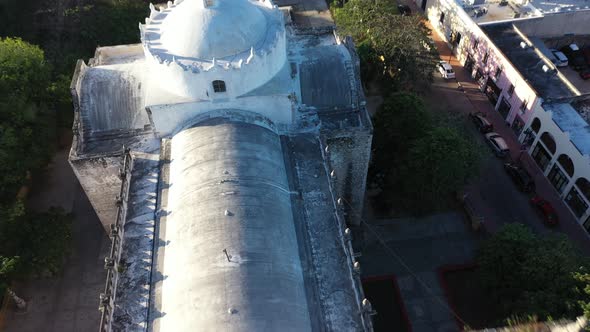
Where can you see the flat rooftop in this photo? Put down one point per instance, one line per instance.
(495, 10)
(542, 77)
(573, 117)
(573, 76)
(548, 6)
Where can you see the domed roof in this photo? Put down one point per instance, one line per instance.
(220, 29)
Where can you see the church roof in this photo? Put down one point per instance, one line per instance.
(209, 29)
(229, 194)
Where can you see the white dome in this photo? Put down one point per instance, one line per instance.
(225, 28)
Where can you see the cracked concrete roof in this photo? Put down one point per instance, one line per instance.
(229, 191)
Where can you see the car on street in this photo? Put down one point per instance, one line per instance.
(523, 180)
(480, 121)
(545, 208)
(498, 144)
(585, 73)
(404, 10)
(445, 70)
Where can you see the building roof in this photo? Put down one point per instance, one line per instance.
(561, 6)
(229, 191)
(569, 118)
(190, 30)
(292, 264)
(536, 71)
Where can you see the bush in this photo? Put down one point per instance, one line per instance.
(41, 240)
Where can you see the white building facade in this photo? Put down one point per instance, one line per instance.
(495, 43)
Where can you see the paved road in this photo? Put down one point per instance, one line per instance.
(502, 201)
(493, 192)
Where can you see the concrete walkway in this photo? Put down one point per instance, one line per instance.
(67, 302)
(422, 245)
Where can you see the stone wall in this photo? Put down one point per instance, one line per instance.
(348, 153)
(100, 179)
(557, 25)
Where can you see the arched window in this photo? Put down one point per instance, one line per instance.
(567, 164)
(536, 125)
(584, 186)
(549, 142)
(218, 86)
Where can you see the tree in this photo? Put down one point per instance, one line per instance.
(401, 47)
(530, 276)
(438, 164)
(41, 239)
(418, 159)
(24, 117)
(401, 119)
(24, 73)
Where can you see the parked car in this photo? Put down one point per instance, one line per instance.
(445, 70)
(546, 210)
(498, 144)
(480, 121)
(404, 10)
(560, 58)
(585, 73)
(574, 55)
(520, 176)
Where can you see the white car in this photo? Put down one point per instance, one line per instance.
(561, 58)
(498, 144)
(445, 70)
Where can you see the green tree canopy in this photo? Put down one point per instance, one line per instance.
(401, 48)
(401, 119)
(528, 275)
(40, 239)
(24, 73)
(438, 164)
(418, 156)
(24, 124)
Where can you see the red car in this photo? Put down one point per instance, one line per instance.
(546, 209)
(585, 73)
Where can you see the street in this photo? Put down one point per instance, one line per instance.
(493, 193)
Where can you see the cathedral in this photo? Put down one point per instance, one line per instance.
(226, 155)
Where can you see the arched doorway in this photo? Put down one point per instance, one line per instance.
(578, 197)
(567, 164)
(536, 125)
(543, 152)
(557, 176)
(549, 142)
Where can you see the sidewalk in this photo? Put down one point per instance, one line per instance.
(479, 103)
(67, 302)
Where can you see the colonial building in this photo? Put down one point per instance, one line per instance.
(227, 156)
(506, 45)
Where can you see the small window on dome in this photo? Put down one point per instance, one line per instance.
(219, 86)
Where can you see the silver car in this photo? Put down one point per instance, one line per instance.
(498, 144)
